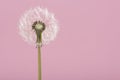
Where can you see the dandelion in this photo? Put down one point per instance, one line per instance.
(38, 27)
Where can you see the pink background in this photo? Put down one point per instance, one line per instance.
(86, 48)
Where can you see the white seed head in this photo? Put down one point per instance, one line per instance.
(38, 14)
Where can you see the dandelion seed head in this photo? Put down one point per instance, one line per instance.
(38, 14)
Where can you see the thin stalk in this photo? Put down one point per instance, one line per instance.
(39, 64)
(39, 27)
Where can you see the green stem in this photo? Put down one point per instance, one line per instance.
(39, 64)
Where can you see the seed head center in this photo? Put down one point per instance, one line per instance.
(38, 26)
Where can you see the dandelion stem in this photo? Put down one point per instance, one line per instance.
(39, 27)
(39, 64)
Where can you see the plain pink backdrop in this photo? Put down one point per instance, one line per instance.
(86, 48)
